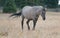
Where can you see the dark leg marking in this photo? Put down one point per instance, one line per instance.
(28, 24)
(22, 22)
(35, 21)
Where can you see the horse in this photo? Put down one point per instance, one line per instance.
(31, 13)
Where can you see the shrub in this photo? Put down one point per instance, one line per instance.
(9, 6)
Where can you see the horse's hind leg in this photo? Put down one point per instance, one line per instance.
(22, 22)
(28, 24)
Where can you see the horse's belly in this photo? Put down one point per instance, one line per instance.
(29, 16)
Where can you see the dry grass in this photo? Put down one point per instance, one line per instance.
(11, 28)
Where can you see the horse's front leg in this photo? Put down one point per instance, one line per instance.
(28, 24)
(22, 22)
(34, 22)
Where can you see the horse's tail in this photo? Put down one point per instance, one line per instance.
(17, 14)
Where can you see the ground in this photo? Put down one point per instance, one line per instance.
(11, 28)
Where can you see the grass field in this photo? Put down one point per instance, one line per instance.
(11, 28)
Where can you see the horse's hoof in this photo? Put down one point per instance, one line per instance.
(28, 28)
(33, 29)
(22, 28)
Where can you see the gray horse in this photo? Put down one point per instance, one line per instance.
(31, 13)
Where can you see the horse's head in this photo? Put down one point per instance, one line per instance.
(43, 13)
(41, 10)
